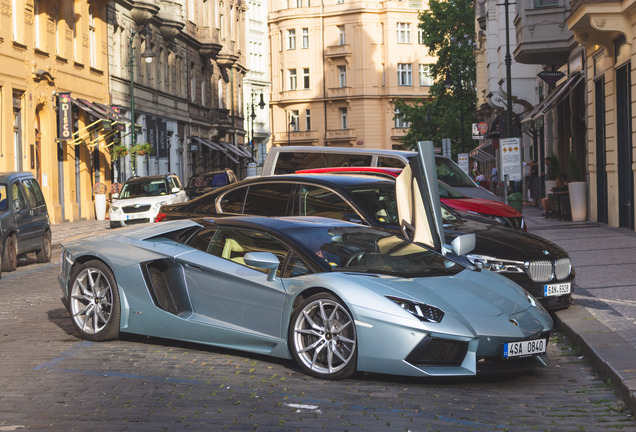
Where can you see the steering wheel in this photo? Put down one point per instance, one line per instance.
(356, 258)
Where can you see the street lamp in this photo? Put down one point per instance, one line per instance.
(147, 55)
(448, 83)
(290, 126)
(261, 105)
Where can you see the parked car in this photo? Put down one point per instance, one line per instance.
(199, 184)
(495, 210)
(539, 266)
(141, 197)
(24, 220)
(289, 159)
(301, 288)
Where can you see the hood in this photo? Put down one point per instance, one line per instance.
(484, 206)
(147, 200)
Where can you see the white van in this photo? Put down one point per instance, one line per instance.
(288, 160)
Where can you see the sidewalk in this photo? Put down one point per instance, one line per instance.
(602, 320)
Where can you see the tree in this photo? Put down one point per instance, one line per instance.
(448, 28)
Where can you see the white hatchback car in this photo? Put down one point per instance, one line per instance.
(141, 197)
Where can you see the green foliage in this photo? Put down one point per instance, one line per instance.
(575, 173)
(448, 28)
(141, 149)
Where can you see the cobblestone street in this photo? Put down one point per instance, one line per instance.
(53, 381)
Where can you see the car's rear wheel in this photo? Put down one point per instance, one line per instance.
(322, 337)
(10, 256)
(44, 254)
(94, 301)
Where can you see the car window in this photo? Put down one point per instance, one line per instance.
(3, 198)
(295, 266)
(376, 200)
(233, 244)
(451, 174)
(33, 193)
(138, 188)
(19, 202)
(268, 199)
(231, 202)
(290, 162)
(391, 162)
(319, 201)
(176, 182)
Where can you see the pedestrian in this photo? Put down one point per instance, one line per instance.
(480, 178)
(494, 177)
(548, 203)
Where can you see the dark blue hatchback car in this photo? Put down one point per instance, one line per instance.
(24, 220)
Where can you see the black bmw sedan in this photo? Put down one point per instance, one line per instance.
(539, 266)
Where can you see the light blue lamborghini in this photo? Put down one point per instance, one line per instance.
(334, 296)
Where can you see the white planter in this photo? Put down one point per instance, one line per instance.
(578, 200)
(100, 206)
(549, 184)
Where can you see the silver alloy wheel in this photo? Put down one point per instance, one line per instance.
(91, 300)
(325, 337)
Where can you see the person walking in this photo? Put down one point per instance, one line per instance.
(494, 177)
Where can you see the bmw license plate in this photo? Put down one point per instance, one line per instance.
(525, 348)
(557, 289)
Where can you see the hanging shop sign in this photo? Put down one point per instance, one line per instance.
(64, 116)
(551, 77)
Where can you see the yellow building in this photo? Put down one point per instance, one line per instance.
(48, 48)
(337, 67)
(607, 30)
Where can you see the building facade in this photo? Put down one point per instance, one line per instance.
(337, 67)
(54, 60)
(606, 31)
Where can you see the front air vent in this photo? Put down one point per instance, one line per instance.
(438, 352)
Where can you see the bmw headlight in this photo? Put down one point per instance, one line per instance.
(421, 311)
(497, 265)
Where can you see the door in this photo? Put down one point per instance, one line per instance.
(39, 214)
(601, 170)
(624, 147)
(28, 231)
(225, 292)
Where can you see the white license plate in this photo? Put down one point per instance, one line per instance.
(557, 289)
(135, 216)
(524, 348)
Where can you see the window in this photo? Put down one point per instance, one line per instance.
(305, 78)
(343, 118)
(339, 1)
(33, 193)
(341, 35)
(268, 199)
(291, 39)
(307, 120)
(420, 36)
(36, 23)
(342, 76)
(405, 76)
(231, 202)
(305, 38)
(426, 79)
(318, 201)
(399, 121)
(92, 37)
(292, 79)
(404, 32)
(543, 3)
(282, 40)
(294, 121)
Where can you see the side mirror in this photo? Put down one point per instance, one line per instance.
(463, 244)
(263, 260)
(175, 190)
(351, 217)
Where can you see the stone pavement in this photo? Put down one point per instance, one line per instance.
(602, 320)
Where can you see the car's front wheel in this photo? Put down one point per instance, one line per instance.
(322, 337)
(44, 254)
(94, 301)
(10, 255)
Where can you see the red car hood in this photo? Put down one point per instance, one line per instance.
(477, 205)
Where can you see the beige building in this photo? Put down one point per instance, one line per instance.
(337, 67)
(48, 48)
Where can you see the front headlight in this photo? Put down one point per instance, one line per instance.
(114, 209)
(421, 311)
(497, 265)
(160, 203)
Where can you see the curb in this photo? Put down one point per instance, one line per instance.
(610, 355)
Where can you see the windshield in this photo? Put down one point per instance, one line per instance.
(451, 174)
(208, 180)
(143, 188)
(365, 250)
(448, 192)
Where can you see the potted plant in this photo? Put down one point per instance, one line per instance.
(577, 188)
(118, 151)
(141, 149)
(99, 193)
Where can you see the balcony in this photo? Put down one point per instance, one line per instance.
(208, 38)
(341, 135)
(335, 51)
(171, 18)
(296, 137)
(600, 22)
(339, 92)
(542, 36)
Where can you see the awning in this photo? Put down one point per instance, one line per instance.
(216, 147)
(480, 152)
(554, 98)
(236, 150)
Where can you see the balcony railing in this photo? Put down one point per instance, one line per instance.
(339, 50)
(341, 134)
